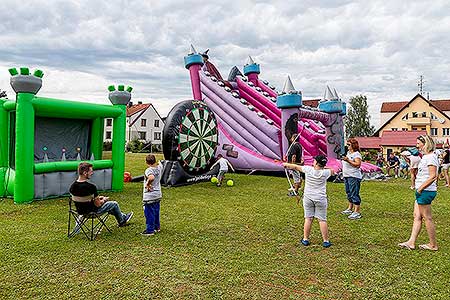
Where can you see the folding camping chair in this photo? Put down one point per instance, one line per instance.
(90, 223)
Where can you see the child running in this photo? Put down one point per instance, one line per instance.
(315, 200)
(152, 195)
(223, 168)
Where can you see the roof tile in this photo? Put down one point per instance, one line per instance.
(400, 138)
(131, 110)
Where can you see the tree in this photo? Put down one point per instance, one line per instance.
(3, 94)
(357, 121)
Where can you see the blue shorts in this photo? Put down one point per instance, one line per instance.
(426, 197)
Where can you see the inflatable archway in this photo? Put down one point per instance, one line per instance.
(42, 140)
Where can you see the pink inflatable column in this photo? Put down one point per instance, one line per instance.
(289, 126)
(193, 62)
(289, 103)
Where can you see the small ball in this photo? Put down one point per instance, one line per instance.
(230, 182)
(214, 179)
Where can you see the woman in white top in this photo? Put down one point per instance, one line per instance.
(426, 190)
(351, 170)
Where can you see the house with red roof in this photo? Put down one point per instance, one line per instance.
(403, 121)
(143, 123)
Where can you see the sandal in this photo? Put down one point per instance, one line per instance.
(426, 247)
(406, 246)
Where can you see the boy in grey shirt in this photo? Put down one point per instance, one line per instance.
(315, 200)
(152, 195)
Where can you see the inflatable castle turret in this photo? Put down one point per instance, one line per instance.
(290, 101)
(194, 62)
(251, 70)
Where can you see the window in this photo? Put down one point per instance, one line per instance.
(156, 124)
(108, 135)
(405, 117)
(414, 114)
(157, 136)
(424, 114)
(394, 129)
(142, 135)
(446, 131)
(108, 122)
(143, 122)
(434, 131)
(432, 116)
(404, 129)
(414, 128)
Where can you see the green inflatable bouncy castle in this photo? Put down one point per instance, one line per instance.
(42, 140)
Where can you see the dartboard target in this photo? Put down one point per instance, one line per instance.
(197, 139)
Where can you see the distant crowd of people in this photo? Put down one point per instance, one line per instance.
(404, 164)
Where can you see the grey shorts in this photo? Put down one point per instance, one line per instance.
(315, 209)
(296, 175)
(221, 175)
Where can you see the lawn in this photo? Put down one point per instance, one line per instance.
(238, 242)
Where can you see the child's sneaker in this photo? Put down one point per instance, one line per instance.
(355, 216)
(347, 212)
(327, 244)
(305, 242)
(147, 233)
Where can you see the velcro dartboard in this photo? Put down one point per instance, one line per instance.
(190, 136)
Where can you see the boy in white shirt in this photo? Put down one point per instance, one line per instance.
(223, 168)
(315, 200)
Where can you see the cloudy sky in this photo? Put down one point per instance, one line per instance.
(374, 48)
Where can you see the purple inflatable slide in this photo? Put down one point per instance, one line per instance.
(255, 122)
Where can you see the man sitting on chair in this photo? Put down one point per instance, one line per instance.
(99, 204)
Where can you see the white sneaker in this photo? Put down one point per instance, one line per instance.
(347, 212)
(355, 216)
(396, 176)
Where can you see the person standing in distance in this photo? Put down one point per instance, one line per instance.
(295, 156)
(351, 169)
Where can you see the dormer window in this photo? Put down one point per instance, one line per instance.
(415, 114)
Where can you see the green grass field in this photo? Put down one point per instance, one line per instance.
(238, 242)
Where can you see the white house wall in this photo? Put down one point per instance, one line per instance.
(150, 115)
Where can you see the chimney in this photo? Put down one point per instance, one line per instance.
(139, 102)
(130, 104)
